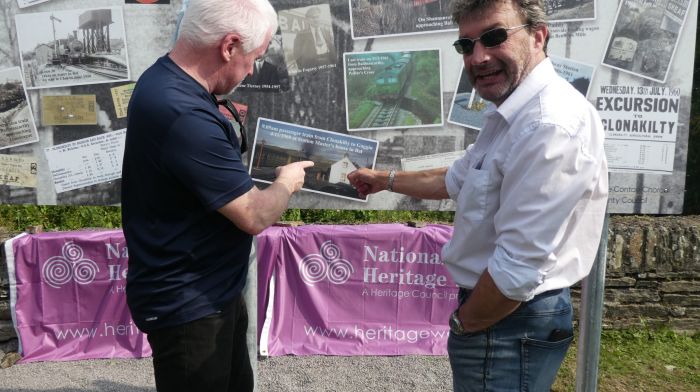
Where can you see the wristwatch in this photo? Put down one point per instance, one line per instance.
(455, 324)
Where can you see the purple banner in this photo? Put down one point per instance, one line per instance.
(354, 290)
(67, 293)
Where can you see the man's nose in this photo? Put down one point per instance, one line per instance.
(479, 54)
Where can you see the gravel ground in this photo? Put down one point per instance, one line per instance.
(278, 374)
(354, 374)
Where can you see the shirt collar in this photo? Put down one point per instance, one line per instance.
(528, 88)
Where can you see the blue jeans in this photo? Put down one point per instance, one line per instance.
(522, 352)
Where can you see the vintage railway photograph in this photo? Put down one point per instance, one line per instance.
(569, 10)
(17, 125)
(72, 47)
(380, 18)
(644, 38)
(393, 89)
(335, 155)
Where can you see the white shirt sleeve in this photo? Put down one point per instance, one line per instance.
(547, 172)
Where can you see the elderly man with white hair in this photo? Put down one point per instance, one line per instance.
(189, 207)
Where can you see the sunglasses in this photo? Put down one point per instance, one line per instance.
(232, 109)
(489, 39)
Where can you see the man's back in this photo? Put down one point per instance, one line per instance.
(179, 168)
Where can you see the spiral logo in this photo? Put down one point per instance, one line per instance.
(59, 270)
(329, 264)
(330, 251)
(72, 252)
(313, 268)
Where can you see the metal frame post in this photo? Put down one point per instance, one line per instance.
(591, 318)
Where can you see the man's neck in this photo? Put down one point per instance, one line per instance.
(190, 60)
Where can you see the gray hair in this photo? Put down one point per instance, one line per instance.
(531, 10)
(206, 22)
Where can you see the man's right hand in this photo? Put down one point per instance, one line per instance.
(292, 175)
(368, 181)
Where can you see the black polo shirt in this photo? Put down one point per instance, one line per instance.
(186, 260)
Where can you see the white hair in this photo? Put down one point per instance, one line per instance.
(206, 22)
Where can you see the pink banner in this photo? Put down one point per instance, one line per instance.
(354, 290)
(68, 297)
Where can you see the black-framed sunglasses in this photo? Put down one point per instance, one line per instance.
(489, 39)
(234, 112)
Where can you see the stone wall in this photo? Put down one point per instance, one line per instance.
(652, 275)
(653, 272)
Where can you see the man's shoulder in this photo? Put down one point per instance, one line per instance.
(561, 101)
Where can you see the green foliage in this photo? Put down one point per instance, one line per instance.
(16, 218)
(359, 115)
(366, 216)
(427, 92)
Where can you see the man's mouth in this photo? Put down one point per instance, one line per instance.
(487, 75)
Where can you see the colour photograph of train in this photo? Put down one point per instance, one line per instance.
(72, 47)
(393, 89)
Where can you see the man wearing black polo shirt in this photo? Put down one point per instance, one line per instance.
(189, 208)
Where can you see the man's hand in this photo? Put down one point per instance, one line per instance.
(368, 181)
(292, 175)
(423, 184)
(256, 210)
(485, 306)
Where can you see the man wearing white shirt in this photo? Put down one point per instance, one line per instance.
(531, 194)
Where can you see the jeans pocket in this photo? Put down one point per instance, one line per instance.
(541, 360)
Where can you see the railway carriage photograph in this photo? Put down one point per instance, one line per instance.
(393, 89)
(72, 47)
(644, 38)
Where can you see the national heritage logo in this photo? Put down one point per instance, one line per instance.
(70, 265)
(328, 264)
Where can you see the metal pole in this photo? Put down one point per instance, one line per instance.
(591, 316)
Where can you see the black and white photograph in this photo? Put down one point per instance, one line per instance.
(270, 71)
(644, 38)
(577, 73)
(569, 10)
(17, 125)
(380, 18)
(72, 47)
(467, 107)
(334, 155)
(27, 3)
(309, 42)
(393, 89)
(147, 1)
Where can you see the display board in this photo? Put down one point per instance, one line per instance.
(382, 74)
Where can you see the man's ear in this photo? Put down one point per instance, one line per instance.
(230, 45)
(540, 34)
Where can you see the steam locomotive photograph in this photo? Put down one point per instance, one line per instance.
(72, 47)
(393, 89)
